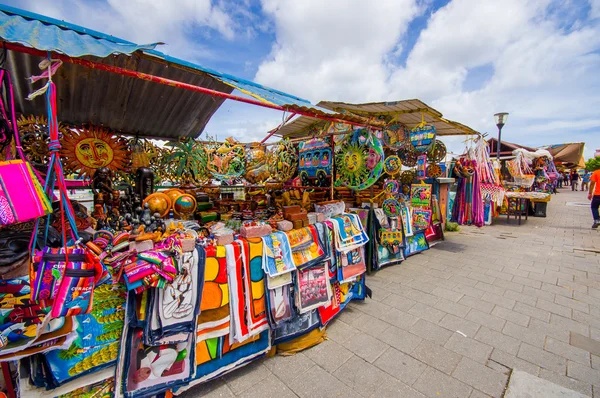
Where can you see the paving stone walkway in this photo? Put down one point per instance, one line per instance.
(454, 320)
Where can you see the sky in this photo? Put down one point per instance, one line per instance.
(539, 60)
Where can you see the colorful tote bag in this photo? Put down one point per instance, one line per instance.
(21, 195)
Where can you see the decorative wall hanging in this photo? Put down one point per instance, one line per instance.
(421, 219)
(408, 176)
(415, 244)
(394, 136)
(391, 207)
(437, 152)
(420, 195)
(339, 129)
(34, 138)
(408, 154)
(422, 167)
(187, 161)
(422, 136)
(392, 165)
(283, 161)
(434, 171)
(257, 167)
(88, 149)
(391, 187)
(315, 162)
(359, 163)
(226, 160)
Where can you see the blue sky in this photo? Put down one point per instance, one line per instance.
(537, 59)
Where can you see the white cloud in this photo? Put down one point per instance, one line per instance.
(146, 21)
(334, 49)
(544, 61)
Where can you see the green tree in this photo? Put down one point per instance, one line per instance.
(593, 164)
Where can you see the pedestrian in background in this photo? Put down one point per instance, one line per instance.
(585, 180)
(561, 178)
(594, 196)
(574, 180)
(567, 178)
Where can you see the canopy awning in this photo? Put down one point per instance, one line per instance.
(407, 112)
(126, 104)
(570, 155)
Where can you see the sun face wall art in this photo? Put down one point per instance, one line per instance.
(89, 148)
(359, 163)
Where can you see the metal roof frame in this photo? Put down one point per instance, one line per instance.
(407, 112)
(135, 107)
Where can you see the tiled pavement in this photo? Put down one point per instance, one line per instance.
(453, 321)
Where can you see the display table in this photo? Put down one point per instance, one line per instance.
(520, 198)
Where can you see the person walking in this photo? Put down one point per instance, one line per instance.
(560, 179)
(585, 181)
(567, 178)
(594, 196)
(574, 180)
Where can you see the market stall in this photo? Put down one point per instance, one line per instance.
(194, 257)
(396, 174)
(529, 177)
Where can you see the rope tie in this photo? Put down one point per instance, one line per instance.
(54, 146)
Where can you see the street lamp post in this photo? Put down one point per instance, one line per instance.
(500, 119)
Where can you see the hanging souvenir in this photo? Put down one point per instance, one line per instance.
(257, 167)
(315, 162)
(389, 240)
(226, 161)
(437, 152)
(421, 218)
(282, 161)
(420, 195)
(434, 171)
(339, 130)
(217, 356)
(351, 264)
(391, 207)
(408, 176)
(187, 161)
(34, 138)
(95, 345)
(213, 320)
(277, 255)
(88, 149)
(394, 136)
(422, 136)
(391, 188)
(392, 165)
(313, 289)
(422, 167)
(408, 154)
(359, 163)
(415, 244)
(307, 249)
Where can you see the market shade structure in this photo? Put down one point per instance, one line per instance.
(570, 155)
(406, 112)
(125, 104)
(506, 148)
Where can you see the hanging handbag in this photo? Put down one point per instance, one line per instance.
(62, 278)
(21, 195)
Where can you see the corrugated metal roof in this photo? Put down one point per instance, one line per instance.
(125, 104)
(128, 105)
(407, 112)
(42, 36)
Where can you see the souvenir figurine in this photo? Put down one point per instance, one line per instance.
(102, 187)
(144, 182)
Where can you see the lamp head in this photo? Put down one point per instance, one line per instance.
(501, 119)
